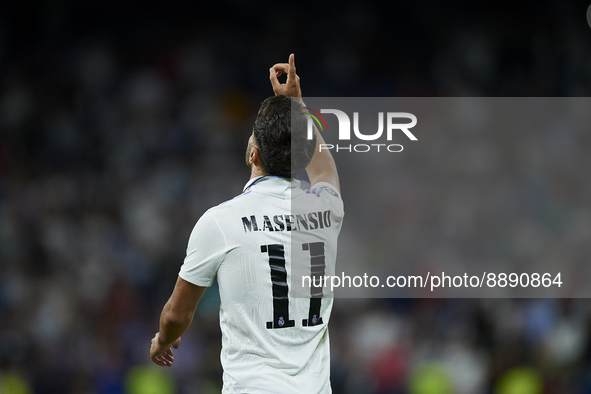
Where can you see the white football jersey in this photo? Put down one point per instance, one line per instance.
(260, 244)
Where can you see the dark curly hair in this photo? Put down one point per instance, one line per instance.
(282, 137)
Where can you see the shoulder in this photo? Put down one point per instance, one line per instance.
(326, 195)
(212, 219)
(227, 210)
(324, 187)
(239, 199)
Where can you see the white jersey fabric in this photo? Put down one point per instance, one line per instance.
(272, 341)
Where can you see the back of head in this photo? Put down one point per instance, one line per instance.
(282, 137)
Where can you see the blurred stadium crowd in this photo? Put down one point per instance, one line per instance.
(121, 124)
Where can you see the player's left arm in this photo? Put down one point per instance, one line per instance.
(176, 317)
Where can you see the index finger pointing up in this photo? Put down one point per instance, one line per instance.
(292, 70)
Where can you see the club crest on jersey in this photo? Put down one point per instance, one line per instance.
(281, 322)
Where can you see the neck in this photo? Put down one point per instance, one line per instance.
(256, 172)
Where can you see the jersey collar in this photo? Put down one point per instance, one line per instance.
(250, 182)
(253, 181)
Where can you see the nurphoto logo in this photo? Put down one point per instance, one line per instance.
(390, 118)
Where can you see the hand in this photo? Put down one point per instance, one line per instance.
(291, 87)
(162, 354)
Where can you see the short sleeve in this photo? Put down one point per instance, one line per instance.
(205, 252)
(330, 194)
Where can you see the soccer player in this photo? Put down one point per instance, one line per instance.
(272, 341)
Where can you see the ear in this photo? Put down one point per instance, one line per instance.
(254, 157)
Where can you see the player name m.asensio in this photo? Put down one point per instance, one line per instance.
(298, 222)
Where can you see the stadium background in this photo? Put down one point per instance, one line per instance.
(121, 123)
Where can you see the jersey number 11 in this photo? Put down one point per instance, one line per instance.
(276, 253)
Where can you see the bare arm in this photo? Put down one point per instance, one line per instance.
(176, 317)
(322, 167)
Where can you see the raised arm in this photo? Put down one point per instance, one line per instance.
(322, 167)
